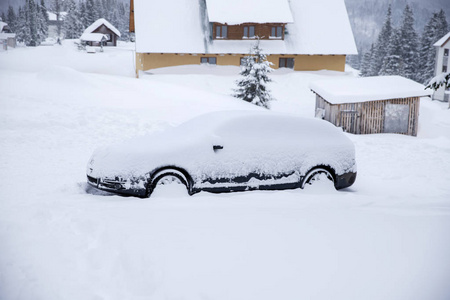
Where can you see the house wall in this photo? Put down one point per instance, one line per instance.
(236, 32)
(441, 61)
(147, 61)
(366, 117)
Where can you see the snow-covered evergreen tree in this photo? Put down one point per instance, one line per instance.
(11, 19)
(83, 14)
(91, 12)
(252, 86)
(366, 63)
(393, 62)
(42, 21)
(433, 31)
(382, 43)
(409, 48)
(73, 28)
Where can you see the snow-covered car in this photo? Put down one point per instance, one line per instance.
(228, 151)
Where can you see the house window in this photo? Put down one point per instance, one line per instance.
(221, 31)
(286, 63)
(208, 60)
(444, 69)
(249, 32)
(277, 32)
(446, 52)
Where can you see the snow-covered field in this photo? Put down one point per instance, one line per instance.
(386, 237)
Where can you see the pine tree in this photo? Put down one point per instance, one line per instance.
(3, 17)
(382, 43)
(83, 14)
(33, 23)
(433, 31)
(409, 46)
(23, 34)
(73, 28)
(393, 62)
(43, 20)
(91, 12)
(11, 19)
(366, 63)
(252, 84)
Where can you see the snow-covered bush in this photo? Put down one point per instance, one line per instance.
(438, 81)
(252, 84)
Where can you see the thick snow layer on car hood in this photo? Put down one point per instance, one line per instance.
(253, 142)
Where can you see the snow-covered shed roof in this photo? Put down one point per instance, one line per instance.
(182, 26)
(351, 90)
(93, 37)
(443, 40)
(249, 11)
(2, 25)
(99, 23)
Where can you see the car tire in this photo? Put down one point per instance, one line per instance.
(315, 173)
(167, 176)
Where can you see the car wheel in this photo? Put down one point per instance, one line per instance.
(317, 174)
(169, 177)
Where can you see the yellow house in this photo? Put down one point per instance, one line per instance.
(303, 35)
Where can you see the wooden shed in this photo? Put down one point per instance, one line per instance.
(386, 104)
(101, 26)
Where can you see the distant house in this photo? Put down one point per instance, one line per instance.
(55, 23)
(99, 28)
(442, 65)
(386, 104)
(296, 34)
(7, 38)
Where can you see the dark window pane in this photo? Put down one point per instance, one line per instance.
(272, 33)
(282, 63)
(204, 60)
(224, 31)
(290, 63)
(252, 31)
(245, 31)
(243, 61)
(217, 31)
(279, 31)
(212, 60)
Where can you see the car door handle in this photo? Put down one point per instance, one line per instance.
(217, 147)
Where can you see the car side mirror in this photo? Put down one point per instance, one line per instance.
(217, 147)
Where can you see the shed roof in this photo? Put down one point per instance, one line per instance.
(2, 25)
(99, 23)
(187, 26)
(93, 37)
(352, 90)
(249, 11)
(443, 40)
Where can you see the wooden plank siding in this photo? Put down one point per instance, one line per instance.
(105, 30)
(236, 32)
(367, 117)
(131, 16)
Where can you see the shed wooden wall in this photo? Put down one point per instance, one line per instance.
(105, 30)
(367, 117)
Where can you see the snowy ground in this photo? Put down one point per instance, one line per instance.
(387, 237)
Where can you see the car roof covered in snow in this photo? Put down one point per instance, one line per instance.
(99, 23)
(351, 90)
(313, 27)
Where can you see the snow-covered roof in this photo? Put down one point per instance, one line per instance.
(317, 27)
(99, 23)
(249, 11)
(351, 90)
(443, 40)
(4, 36)
(2, 24)
(93, 37)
